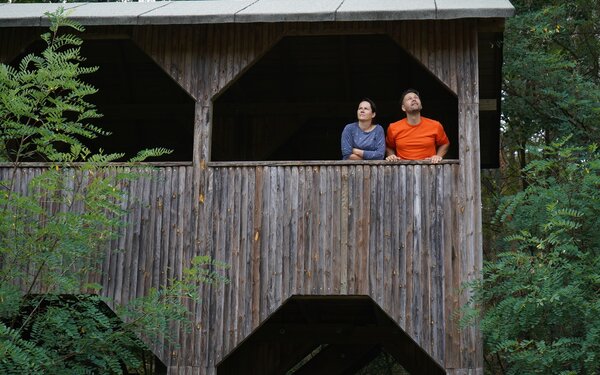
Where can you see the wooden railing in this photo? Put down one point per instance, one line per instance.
(379, 229)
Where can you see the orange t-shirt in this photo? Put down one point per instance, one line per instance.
(415, 142)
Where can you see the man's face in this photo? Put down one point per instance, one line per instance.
(411, 103)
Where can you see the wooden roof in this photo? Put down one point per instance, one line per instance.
(250, 11)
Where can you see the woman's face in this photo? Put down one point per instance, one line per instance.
(364, 112)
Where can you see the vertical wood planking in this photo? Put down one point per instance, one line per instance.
(256, 241)
(315, 247)
(465, 166)
(437, 275)
(417, 258)
(154, 250)
(335, 218)
(287, 233)
(188, 254)
(139, 258)
(340, 262)
(299, 260)
(408, 238)
(135, 249)
(392, 212)
(377, 249)
(371, 252)
(219, 217)
(249, 235)
(237, 275)
(381, 250)
(295, 212)
(281, 220)
(312, 229)
(470, 224)
(130, 245)
(324, 233)
(206, 248)
(120, 259)
(143, 275)
(427, 43)
(239, 254)
(400, 223)
(308, 223)
(277, 249)
(354, 195)
(343, 219)
(388, 252)
(426, 254)
(228, 233)
(363, 221)
(266, 263)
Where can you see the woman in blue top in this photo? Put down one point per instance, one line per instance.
(363, 140)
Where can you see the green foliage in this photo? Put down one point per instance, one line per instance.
(153, 313)
(44, 110)
(540, 299)
(539, 296)
(63, 244)
(73, 335)
(551, 78)
(55, 231)
(43, 106)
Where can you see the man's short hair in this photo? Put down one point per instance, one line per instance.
(406, 92)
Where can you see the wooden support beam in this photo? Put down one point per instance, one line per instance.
(339, 359)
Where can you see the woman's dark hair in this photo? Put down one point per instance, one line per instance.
(372, 103)
(406, 92)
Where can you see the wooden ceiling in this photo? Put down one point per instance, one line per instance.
(332, 335)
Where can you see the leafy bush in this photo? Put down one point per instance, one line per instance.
(540, 300)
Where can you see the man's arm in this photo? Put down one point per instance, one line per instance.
(390, 154)
(442, 150)
(439, 155)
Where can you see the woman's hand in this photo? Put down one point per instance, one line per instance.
(358, 152)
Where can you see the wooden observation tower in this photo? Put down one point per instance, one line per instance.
(331, 262)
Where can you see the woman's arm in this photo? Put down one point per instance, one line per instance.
(346, 142)
(379, 146)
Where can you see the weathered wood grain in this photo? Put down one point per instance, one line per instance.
(407, 235)
(278, 227)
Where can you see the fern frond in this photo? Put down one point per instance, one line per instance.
(149, 153)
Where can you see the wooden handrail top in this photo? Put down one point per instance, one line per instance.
(229, 164)
(117, 164)
(302, 163)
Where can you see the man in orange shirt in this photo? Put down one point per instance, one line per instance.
(415, 137)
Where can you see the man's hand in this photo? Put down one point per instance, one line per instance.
(435, 159)
(392, 157)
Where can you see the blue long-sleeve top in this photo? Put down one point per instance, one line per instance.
(372, 143)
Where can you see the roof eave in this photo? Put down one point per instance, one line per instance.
(251, 11)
